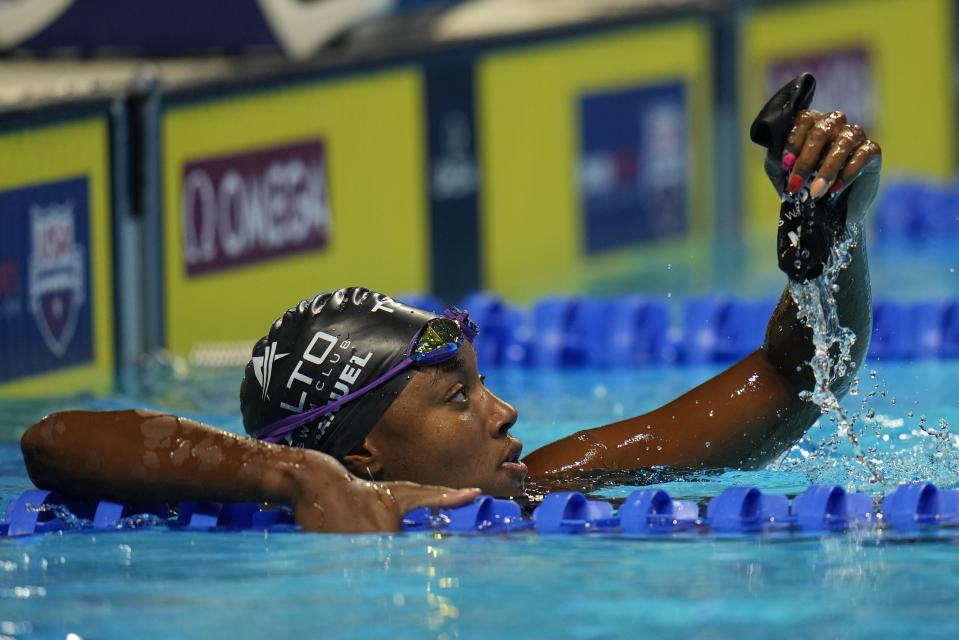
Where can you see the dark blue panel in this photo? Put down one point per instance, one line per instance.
(46, 318)
(453, 175)
(633, 165)
(149, 26)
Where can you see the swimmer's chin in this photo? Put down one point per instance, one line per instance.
(513, 488)
(504, 490)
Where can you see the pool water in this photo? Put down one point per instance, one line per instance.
(158, 583)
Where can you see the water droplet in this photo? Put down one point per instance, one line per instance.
(832, 356)
(708, 443)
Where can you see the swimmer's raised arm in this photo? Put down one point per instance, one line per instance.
(144, 456)
(750, 413)
(743, 417)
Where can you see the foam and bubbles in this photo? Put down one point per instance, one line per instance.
(851, 444)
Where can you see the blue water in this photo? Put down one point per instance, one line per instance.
(162, 584)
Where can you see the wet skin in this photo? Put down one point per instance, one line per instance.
(144, 456)
(447, 427)
(838, 149)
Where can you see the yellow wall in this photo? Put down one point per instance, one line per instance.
(48, 154)
(911, 48)
(372, 130)
(528, 131)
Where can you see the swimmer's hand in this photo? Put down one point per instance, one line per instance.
(833, 156)
(823, 153)
(350, 504)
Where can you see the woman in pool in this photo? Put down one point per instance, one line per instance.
(386, 410)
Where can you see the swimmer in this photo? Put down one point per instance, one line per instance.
(362, 408)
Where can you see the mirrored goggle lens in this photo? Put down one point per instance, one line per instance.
(440, 336)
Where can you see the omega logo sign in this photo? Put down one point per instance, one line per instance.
(254, 206)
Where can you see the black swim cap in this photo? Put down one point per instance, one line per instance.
(320, 350)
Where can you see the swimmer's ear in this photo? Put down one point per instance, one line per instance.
(363, 462)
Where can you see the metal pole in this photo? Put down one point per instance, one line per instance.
(728, 243)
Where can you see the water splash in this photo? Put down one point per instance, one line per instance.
(69, 521)
(832, 343)
(850, 446)
(61, 513)
(144, 521)
(903, 446)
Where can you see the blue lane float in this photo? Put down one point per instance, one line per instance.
(483, 515)
(37, 511)
(632, 331)
(914, 212)
(821, 509)
(921, 504)
(571, 512)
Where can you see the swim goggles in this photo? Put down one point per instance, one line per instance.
(437, 341)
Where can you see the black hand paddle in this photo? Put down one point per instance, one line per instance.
(807, 228)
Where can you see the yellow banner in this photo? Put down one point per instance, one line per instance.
(888, 63)
(540, 111)
(56, 291)
(273, 196)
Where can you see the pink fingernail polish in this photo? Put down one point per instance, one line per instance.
(789, 159)
(836, 186)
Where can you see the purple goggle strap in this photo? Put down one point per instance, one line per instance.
(462, 318)
(279, 429)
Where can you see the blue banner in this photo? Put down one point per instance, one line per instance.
(633, 165)
(45, 308)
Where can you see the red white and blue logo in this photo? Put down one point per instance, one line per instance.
(57, 268)
(45, 311)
